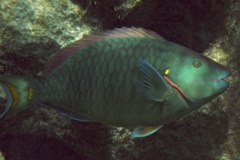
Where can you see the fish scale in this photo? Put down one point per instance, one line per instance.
(124, 77)
(96, 87)
(92, 100)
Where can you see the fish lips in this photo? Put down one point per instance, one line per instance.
(222, 82)
(222, 86)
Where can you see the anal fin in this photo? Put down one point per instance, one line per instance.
(143, 131)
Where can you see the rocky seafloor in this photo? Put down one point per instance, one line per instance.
(32, 30)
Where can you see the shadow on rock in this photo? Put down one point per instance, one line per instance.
(46, 135)
(36, 147)
(194, 24)
(26, 58)
(198, 137)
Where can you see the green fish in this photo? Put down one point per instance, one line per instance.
(124, 77)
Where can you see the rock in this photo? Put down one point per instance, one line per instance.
(33, 30)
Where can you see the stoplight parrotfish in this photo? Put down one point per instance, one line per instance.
(123, 77)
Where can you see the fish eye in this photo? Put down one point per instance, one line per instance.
(197, 63)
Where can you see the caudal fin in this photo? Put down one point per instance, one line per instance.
(15, 92)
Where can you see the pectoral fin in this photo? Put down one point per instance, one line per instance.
(143, 131)
(152, 84)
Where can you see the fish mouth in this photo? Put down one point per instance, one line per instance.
(223, 80)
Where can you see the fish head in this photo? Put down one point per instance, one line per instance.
(196, 77)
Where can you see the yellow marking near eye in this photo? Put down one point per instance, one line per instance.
(30, 93)
(14, 94)
(167, 71)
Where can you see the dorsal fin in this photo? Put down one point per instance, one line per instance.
(61, 55)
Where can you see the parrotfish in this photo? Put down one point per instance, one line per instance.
(128, 77)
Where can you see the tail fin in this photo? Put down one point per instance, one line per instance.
(15, 93)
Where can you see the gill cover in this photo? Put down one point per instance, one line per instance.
(197, 77)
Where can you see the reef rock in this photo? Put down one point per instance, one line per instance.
(30, 31)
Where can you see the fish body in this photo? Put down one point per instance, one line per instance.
(125, 77)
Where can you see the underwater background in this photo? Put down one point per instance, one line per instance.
(32, 30)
